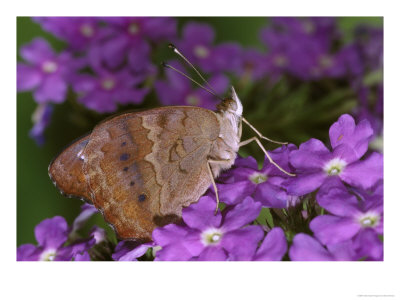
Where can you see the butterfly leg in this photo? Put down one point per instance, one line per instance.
(266, 153)
(212, 177)
(260, 135)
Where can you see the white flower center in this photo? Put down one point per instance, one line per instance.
(108, 84)
(335, 166)
(308, 27)
(49, 66)
(87, 30)
(325, 61)
(133, 28)
(48, 255)
(258, 178)
(369, 219)
(211, 236)
(201, 51)
(280, 61)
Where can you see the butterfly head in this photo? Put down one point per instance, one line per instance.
(231, 104)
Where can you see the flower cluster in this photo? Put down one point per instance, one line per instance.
(344, 223)
(108, 62)
(59, 242)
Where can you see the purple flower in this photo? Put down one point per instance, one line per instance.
(178, 90)
(374, 114)
(78, 32)
(302, 47)
(52, 235)
(197, 46)
(360, 221)
(210, 236)
(254, 65)
(45, 72)
(106, 90)
(316, 165)
(130, 250)
(87, 211)
(129, 37)
(41, 118)
(273, 247)
(369, 41)
(264, 186)
(307, 248)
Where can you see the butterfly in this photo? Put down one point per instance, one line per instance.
(140, 169)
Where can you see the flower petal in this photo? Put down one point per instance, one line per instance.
(346, 153)
(114, 51)
(172, 238)
(281, 157)
(87, 211)
(176, 252)
(338, 201)
(270, 195)
(52, 89)
(201, 215)
(139, 59)
(234, 193)
(246, 162)
(212, 254)
(242, 243)
(344, 131)
(304, 183)
(343, 251)
(28, 252)
(85, 256)
(169, 234)
(203, 33)
(273, 247)
(368, 244)
(37, 51)
(242, 214)
(332, 229)
(52, 233)
(311, 155)
(225, 57)
(27, 77)
(306, 248)
(365, 173)
(130, 251)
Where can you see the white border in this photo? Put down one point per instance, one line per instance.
(198, 280)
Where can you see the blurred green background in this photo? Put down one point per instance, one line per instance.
(38, 199)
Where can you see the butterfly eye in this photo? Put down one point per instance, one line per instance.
(227, 105)
(233, 105)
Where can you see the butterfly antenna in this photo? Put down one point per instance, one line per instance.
(171, 46)
(165, 65)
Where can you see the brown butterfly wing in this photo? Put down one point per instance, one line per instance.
(66, 171)
(143, 167)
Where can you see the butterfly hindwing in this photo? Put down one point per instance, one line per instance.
(66, 171)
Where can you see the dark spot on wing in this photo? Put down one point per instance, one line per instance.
(123, 144)
(126, 169)
(142, 197)
(124, 156)
(132, 183)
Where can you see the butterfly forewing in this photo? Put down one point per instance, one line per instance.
(142, 168)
